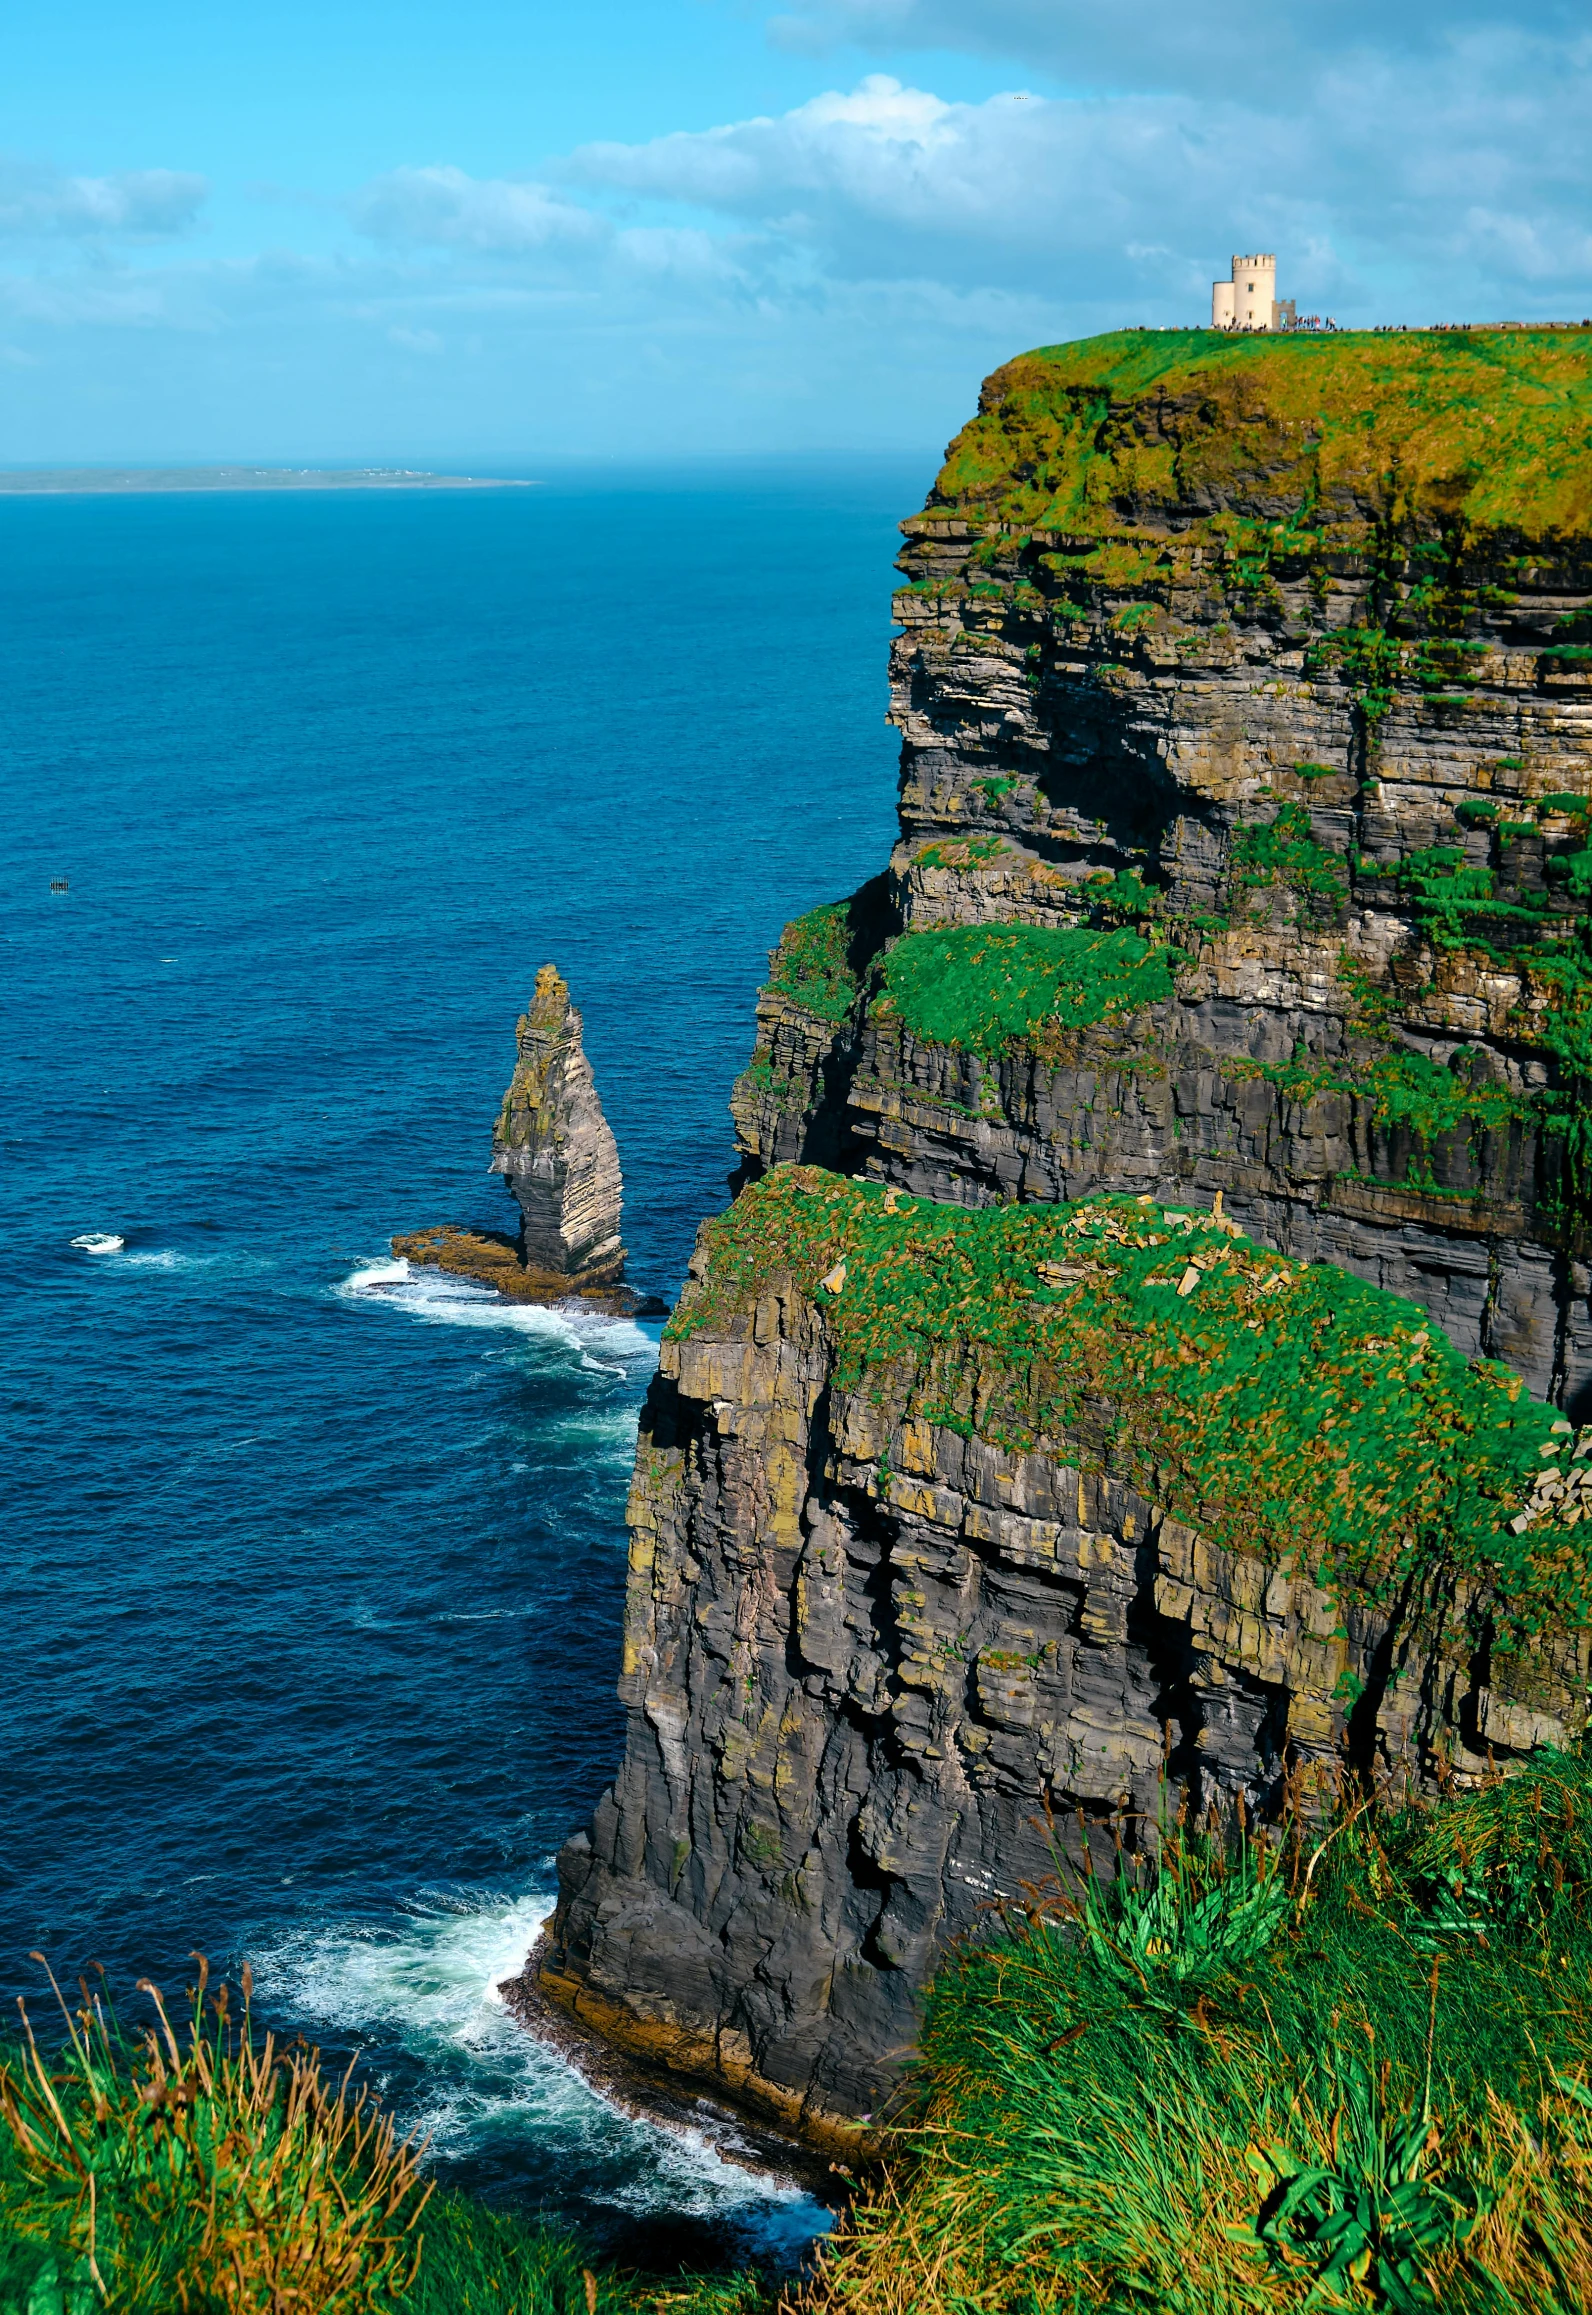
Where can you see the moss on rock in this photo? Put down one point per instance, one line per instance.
(1332, 435)
(1284, 1408)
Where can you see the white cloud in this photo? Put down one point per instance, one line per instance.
(688, 257)
(1104, 202)
(1529, 249)
(868, 146)
(443, 207)
(40, 204)
(890, 181)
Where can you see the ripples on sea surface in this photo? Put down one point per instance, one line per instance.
(315, 1569)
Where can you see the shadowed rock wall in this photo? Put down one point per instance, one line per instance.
(877, 1670)
(1320, 729)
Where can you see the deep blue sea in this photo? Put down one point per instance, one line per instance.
(313, 1572)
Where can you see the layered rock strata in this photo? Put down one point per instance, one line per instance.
(1279, 655)
(557, 1152)
(555, 1149)
(908, 1616)
(1244, 884)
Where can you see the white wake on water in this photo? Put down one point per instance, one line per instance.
(106, 1242)
(430, 1984)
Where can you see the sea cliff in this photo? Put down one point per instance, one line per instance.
(1147, 1375)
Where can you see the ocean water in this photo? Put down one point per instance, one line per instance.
(314, 1569)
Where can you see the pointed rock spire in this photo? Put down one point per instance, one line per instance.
(555, 1149)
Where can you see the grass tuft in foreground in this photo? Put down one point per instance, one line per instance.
(216, 2170)
(213, 2171)
(1347, 2066)
(1311, 2077)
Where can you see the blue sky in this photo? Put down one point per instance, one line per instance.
(500, 231)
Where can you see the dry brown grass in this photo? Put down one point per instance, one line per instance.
(216, 2171)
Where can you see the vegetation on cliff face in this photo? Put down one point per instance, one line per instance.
(990, 989)
(821, 957)
(811, 965)
(978, 987)
(1320, 439)
(1281, 1407)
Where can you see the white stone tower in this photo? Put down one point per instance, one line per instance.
(1247, 300)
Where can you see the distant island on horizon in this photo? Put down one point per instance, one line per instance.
(77, 479)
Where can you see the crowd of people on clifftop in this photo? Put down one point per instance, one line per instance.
(1392, 329)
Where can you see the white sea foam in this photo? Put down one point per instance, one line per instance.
(431, 1979)
(427, 1984)
(375, 1274)
(430, 1983)
(602, 1431)
(440, 1299)
(166, 1258)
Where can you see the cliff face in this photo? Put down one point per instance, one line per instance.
(1242, 895)
(556, 1149)
(1276, 654)
(954, 1534)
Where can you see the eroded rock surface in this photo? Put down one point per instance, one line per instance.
(555, 1149)
(881, 1670)
(1315, 710)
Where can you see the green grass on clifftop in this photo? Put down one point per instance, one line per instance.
(1145, 426)
(1279, 1406)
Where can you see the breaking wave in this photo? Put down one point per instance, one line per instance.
(424, 1989)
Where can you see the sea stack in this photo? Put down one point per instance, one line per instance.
(556, 1150)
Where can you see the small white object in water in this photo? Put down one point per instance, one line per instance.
(100, 1242)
